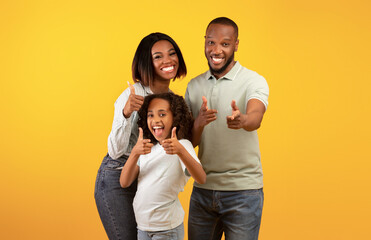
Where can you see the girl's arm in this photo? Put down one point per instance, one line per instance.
(173, 146)
(130, 170)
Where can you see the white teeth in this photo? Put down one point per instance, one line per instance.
(168, 69)
(217, 60)
(157, 127)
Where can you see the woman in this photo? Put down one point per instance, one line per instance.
(157, 60)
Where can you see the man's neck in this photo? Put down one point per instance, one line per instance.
(222, 74)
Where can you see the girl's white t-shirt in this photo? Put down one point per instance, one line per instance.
(161, 178)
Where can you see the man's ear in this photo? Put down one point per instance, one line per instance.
(236, 45)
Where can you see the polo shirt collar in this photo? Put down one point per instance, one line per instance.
(229, 76)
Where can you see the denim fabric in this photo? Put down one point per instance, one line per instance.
(172, 234)
(115, 204)
(236, 213)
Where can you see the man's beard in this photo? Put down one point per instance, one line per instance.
(222, 69)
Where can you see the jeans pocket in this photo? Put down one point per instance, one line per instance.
(112, 164)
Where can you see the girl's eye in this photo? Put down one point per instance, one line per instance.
(225, 44)
(157, 57)
(210, 42)
(162, 114)
(172, 53)
(150, 115)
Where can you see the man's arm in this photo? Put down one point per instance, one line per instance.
(250, 121)
(205, 116)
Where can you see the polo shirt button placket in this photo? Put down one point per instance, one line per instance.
(214, 95)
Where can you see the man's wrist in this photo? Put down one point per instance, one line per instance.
(197, 124)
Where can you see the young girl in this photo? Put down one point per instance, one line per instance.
(157, 60)
(163, 165)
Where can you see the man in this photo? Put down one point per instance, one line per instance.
(228, 103)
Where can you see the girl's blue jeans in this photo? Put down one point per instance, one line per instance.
(172, 234)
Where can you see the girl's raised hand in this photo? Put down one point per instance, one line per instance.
(172, 145)
(134, 102)
(143, 146)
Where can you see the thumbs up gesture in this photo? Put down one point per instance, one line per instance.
(143, 146)
(234, 121)
(206, 115)
(171, 145)
(134, 102)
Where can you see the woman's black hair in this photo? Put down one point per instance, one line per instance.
(142, 67)
(182, 118)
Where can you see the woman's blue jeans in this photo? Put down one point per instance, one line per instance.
(236, 213)
(115, 204)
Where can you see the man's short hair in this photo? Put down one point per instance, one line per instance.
(225, 21)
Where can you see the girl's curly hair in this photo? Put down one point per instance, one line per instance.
(182, 118)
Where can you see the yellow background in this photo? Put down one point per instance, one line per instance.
(64, 63)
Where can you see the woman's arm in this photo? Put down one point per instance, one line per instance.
(119, 137)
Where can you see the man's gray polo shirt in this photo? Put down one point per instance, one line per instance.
(231, 158)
